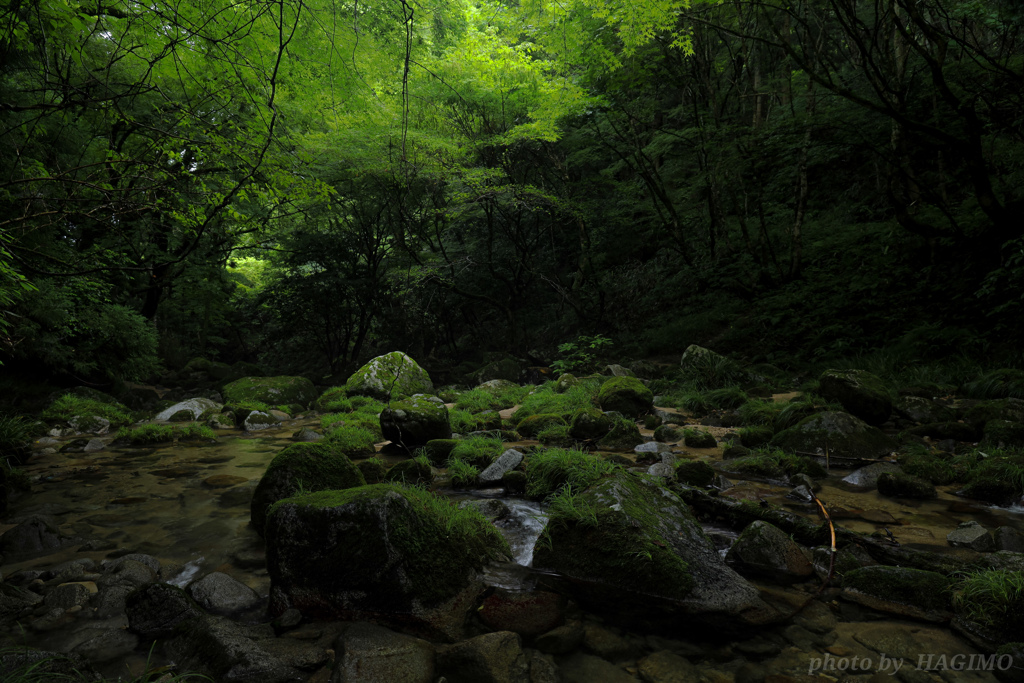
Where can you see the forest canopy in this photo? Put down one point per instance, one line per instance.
(303, 185)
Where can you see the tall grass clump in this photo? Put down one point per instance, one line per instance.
(993, 598)
(196, 432)
(706, 371)
(333, 400)
(352, 440)
(545, 400)
(550, 470)
(461, 473)
(498, 398)
(483, 538)
(998, 384)
(477, 450)
(147, 434)
(759, 412)
(462, 421)
(570, 505)
(939, 468)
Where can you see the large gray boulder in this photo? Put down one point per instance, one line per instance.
(390, 376)
(846, 438)
(642, 553)
(398, 555)
(220, 594)
(367, 653)
(196, 406)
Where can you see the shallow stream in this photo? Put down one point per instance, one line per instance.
(188, 505)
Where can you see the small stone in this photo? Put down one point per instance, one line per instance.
(971, 535)
(68, 595)
(561, 640)
(220, 594)
(667, 667)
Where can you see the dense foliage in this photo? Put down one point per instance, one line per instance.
(303, 185)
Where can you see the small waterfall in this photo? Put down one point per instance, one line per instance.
(521, 528)
(188, 572)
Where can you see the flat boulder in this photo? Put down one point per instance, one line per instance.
(415, 421)
(847, 438)
(220, 594)
(390, 376)
(861, 394)
(368, 653)
(273, 391)
(299, 467)
(906, 592)
(399, 555)
(641, 553)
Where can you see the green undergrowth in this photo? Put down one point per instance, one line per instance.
(994, 475)
(1004, 383)
(774, 464)
(154, 433)
(478, 400)
(544, 399)
(938, 467)
(69, 405)
(550, 470)
(352, 440)
(569, 505)
(478, 451)
(461, 473)
(993, 598)
(463, 421)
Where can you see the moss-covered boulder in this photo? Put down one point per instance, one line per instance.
(623, 436)
(861, 393)
(907, 592)
(565, 382)
(923, 410)
(270, 391)
(535, 424)
(900, 485)
(438, 450)
(398, 555)
(1003, 434)
(390, 376)
(698, 438)
(301, 467)
(843, 435)
(695, 473)
(589, 424)
(412, 471)
(415, 421)
(627, 395)
(630, 546)
(668, 434)
(958, 431)
(373, 470)
(979, 413)
(765, 551)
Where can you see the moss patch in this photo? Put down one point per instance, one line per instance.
(626, 395)
(917, 587)
(270, 391)
(401, 545)
(298, 468)
(390, 376)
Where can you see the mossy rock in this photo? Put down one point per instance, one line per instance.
(755, 437)
(765, 551)
(861, 393)
(926, 593)
(900, 485)
(958, 431)
(845, 437)
(695, 473)
(388, 377)
(401, 556)
(773, 466)
(415, 421)
(373, 470)
(698, 438)
(556, 436)
(589, 424)
(652, 421)
(980, 413)
(923, 410)
(992, 490)
(565, 382)
(411, 472)
(330, 396)
(628, 544)
(535, 424)
(668, 434)
(301, 467)
(438, 450)
(1003, 434)
(270, 391)
(626, 395)
(623, 436)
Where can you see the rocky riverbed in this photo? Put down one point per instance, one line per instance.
(126, 558)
